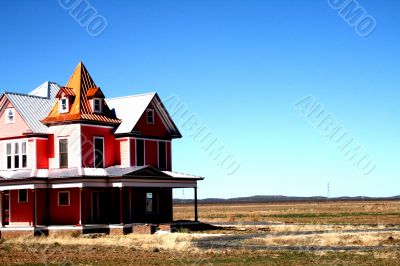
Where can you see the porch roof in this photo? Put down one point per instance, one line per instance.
(109, 172)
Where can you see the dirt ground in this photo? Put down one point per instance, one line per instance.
(345, 240)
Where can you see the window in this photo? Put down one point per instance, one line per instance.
(150, 116)
(139, 152)
(10, 112)
(23, 154)
(22, 195)
(63, 150)
(16, 155)
(151, 202)
(63, 105)
(9, 156)
(97, 106)
(162, 155)
(98, 152)
(63, 198)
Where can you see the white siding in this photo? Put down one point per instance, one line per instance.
(31, 152)
(125, 158)
(73, 134)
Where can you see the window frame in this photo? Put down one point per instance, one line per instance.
(94, 152)
(60, 105)
(150, 110)
(154, 202)
(59, 153)
(69, 198)
(19, 196)
(136, 152)
(165, 154)
(100, 104)
(21, 155)
(8, 121)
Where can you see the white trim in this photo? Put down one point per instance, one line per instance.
(34, 159)
(59, 153)
(129, 153)
(27, 196)
(100, 105)
(12, 143)
(8, 121)
(152, 114)
(60, 109)
(92, 125)
(80, 147)
(69, 198)
(17, 187)
(67, 185)
(94, 152)
(154, 139)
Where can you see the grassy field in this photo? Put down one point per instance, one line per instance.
(335, 233)
(372, 212)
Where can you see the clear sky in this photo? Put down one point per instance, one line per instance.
(239, 66)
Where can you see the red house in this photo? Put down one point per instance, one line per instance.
(71, 157)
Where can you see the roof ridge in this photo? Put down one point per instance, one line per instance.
(131, 96)
(27, 95)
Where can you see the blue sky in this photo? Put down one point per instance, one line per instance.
(239, 66)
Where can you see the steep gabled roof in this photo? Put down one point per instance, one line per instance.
(131, 108)
(34, 106)
(80, 109)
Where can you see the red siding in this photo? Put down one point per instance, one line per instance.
(65, 215)
(42, 154)
(50, 146)
(169, 156)
(152, 130)
(88, 133)
(151, 152)
(21, 212)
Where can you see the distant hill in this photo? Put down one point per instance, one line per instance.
(279, 198)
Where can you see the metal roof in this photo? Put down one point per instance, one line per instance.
(129, 109)
(113, 171)
(35, 106)
(80, 109)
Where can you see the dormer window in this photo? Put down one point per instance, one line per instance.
(63, 105)
(97, 105)
(10, 115)
(150, 116)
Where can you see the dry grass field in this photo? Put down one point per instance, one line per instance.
(335, 233)
(347, 212)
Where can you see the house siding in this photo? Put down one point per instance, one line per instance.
(72, 132)
(88, 134)
(21, 213)
(18, 128)
(65, 215)
(158, 129)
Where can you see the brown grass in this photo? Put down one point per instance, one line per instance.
(331, 239)
(366, 212)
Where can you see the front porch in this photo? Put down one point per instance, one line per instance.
(87, 204)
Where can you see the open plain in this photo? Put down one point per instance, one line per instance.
(302, 233)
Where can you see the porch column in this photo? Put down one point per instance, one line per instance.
(1, 209)
(34, 208)
(81, 207)
(121, 215)
(195, 205)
